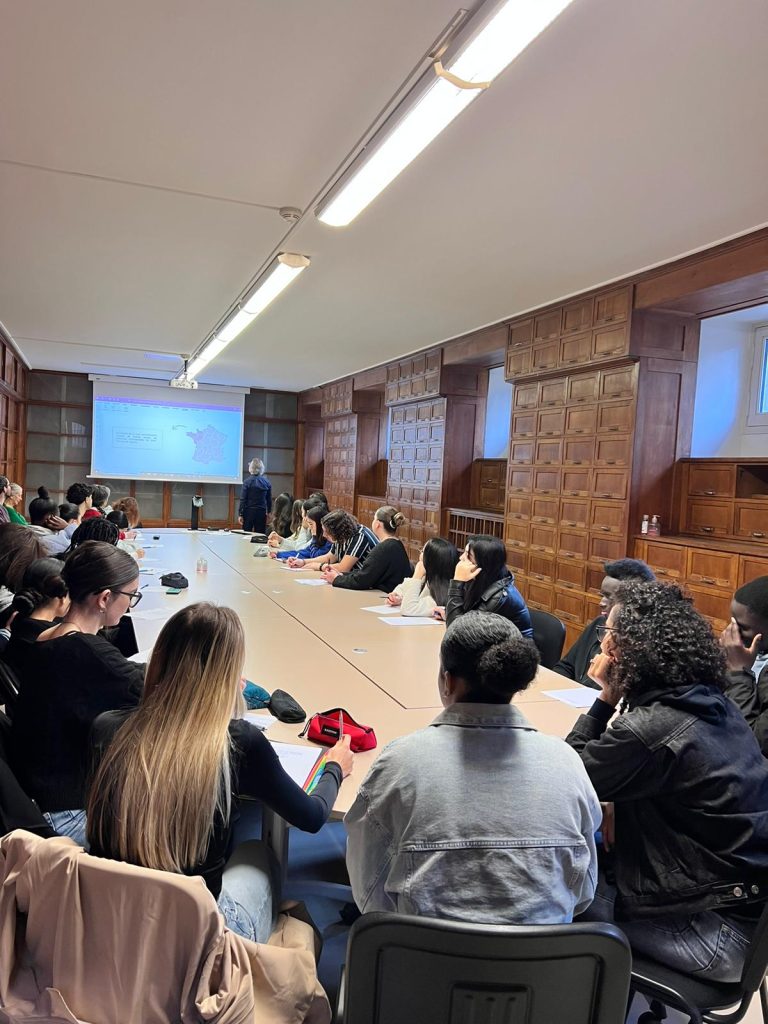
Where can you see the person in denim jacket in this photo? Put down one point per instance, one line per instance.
(478, 817)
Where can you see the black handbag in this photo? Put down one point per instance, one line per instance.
(175, 580)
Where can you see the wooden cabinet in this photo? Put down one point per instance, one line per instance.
(413, 378)
(580, 419)
(708, 517)
(551, 393)
(546, 480)
(610, 342)
(546, 326)
(524, 424)
(519, 506)
(575, 350)
(549, 452)
(518, 363)
(545, 356)
(583, 388)
(608, 517)
(568, 605)
(488, 485)
(714, 605)
(618, 383)
(336, 399)
(612, 306)
(577, 482)
(544, 509)
(713, 568)
(615, 418)
(521, 453)
(610, 483)
(550, 423)
(572, 543)
(539, 595)
(724, 498)
(577, 316)
(613, 451)
(750, 520)
(543, 538)
(712, 480)
(516, 534)
(570, 574)
(521, 334)
(574, 512)
(520, 480)
(525, 396)
(578, 451)
(667, 561)
(750, 567)
(541, 567)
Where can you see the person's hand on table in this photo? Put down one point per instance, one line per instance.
(240, 520)
(608, 827)
(737, 655)
(465, 571)
(439, 613)
(274, 540)
(330, 574)
(394, 599)
(295, 563)
(600, 672)
(272, 554)
(342, 755)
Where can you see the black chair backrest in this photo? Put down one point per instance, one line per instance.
(412, 970)
(16, 808)
(548, 635)
(9, 687)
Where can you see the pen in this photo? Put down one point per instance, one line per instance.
(341, 725)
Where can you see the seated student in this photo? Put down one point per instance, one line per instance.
(95, 528)
(575, 663)
(482, 582)
(12, 501)
(131, 508)
(463, 819)
(281, 514)
(45, 521)
(150, 804)
(688, 783)
(745, 642)
(70, 676)
(41, 601)
(386, 564)
(318, 544)
(81, 495)
(299, 536)
(100, 499)
(71, 515)
(427, 589)
(350, 542)
(125, 535)
(19, 547)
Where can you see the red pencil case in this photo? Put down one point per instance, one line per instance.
(325, 727)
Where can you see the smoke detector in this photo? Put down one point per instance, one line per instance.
(290, 213)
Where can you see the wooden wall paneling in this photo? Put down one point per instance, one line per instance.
(339, 461)
(465, 420)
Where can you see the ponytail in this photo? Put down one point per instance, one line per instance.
(489, 654)
(390, 517)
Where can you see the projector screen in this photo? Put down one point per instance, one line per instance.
(146, 432)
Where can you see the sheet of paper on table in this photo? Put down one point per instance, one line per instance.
(382, 609)
(311, 583)
(405, 620)
(140, 657)
(584, 697)
(259, 719)
(151, 614)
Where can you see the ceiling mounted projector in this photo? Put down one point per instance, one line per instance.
(183, 382)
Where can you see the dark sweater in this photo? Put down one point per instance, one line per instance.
(256, 772)
(24, 633)
(384, 568)
(65, 684)
(575, 663)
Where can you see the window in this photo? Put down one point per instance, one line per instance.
(757, 414)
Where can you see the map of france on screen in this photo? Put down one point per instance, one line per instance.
(173, 440)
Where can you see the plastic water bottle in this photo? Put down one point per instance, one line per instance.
(202, 565)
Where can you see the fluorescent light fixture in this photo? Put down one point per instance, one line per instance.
(478, 57)
(284, 269)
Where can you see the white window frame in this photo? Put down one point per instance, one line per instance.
(757, 422)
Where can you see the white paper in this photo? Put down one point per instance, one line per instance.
(382, 609)
(141, 656)
(260, 720)
(150, 559)
(155, 588)
(404, 620)
(311, 583)
(151, 614)
(297, 761)
(584, 697)
(294, 568)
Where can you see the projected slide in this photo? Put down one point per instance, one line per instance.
(170, 437)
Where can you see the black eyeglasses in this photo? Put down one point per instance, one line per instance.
(603, 631)
(134, 596)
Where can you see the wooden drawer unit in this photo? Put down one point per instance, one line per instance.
(550, 423)
(552, 393)
(549, 452)
(545, 356)
(610, 483)
(568, 605)
(591, 606)
(578, 451)
(576, 350)
(583, 388)
(570, 574)
(750, 520)
(603, 547)
(668, 561)
(521, 453)
(517, 363)
(750, 567)
(546, 480)
(713, 568)
(612, 306)
(542, 538)
(708, 517)
(615, 417)
(519, 480)
(547, 325)
(519, 506)
(613, 451)
(577, 316)
(517, 561)
(525, 396)
(610, 342)
(524, 424)
(539, 595)
(581, 419)
(710, 480)
(577, 482)
(572, 543)
(541, 567)
(608, 517)
(515, 534)
(714, 605)
(618, 383)
(521, 334)
(574, 512)
(544, 510)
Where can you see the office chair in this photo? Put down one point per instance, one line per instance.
(410, 970)
(668, 989)
(548, 635)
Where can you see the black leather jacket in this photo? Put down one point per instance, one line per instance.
(690, 788)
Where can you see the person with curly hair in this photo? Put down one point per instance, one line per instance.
(688, 783)
(478, 817)
(351, 543)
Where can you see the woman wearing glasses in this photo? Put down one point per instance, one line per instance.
(688, 782)
(70, 676)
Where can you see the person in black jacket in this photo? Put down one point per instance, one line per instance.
(255, 499)
(166, 774)
(387, 563)
(483, 583)
(688, 783)
(745, 642)
(575, 663)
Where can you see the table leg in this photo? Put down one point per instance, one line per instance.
(274, 831)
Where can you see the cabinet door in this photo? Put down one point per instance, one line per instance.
(577, 316)
(578, 451)
(577, 482)
(713, 568)
(711, 480)
(608, 517)
(552, 393)
(546, 481)
(605, 548)
(515, 534)
(750, 567)
(575, 350)
(539, 595)
(612, 306)
(615, 417)
(708, 516)
(750, 520)
(519, 507)
(713, 604)
(518, 362)
(524, 424)
(613, 451)
(519, 480)
(568, 605)
(542, 538)
(547, 325)
(545, 356)
(517, 560)
(525, 396)
(574, 512)
(619, 383)
(521, 453)
(610, 483)
(609, 342)
(570, 574)
(521, 334)
(544, 509)
(572, 543)
(541, 567)
(581, 419)
(549, 452)
(583, 388)
(550, 423)
(668, 561)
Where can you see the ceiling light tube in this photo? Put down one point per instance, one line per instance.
(487, 45)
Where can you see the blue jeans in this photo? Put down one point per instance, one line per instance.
(709, 945)
(250, 891)
(68, 823)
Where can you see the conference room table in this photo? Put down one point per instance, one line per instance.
(319, 643)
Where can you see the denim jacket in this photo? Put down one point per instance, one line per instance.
(477, 818)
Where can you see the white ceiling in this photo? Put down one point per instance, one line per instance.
(145, 147)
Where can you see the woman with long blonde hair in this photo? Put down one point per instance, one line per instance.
(167, 772)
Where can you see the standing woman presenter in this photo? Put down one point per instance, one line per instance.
(255, 499)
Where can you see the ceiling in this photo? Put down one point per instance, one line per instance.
(145, 149)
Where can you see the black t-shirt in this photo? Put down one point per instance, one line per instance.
(24, 633)
(384, 568)
(256, 772)
(65, 683)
